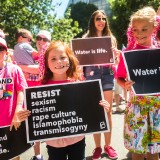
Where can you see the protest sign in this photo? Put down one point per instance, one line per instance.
(143, 67)
(65, 110)
(13, 143)
(93, 51)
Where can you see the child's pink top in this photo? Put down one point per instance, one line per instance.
(32, 83)
(63, 142)
(121, 70)
(11, 80)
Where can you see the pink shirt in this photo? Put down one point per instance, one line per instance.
(121, 70)
(63, 142)
(11, 81)
(32, 83)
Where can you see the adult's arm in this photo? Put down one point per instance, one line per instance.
(33, 69)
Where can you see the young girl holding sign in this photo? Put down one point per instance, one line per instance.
(61, 66)
(142, 112)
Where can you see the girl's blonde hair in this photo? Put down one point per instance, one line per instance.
(72, 71)
(146, 13)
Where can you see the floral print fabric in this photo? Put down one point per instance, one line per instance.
(142, 124)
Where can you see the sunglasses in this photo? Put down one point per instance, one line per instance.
(30, 40)
(38, 38)
(2, 48)
(99, 19)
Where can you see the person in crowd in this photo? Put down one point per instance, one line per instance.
(61, 66)
(24, 54)
(98, 27)
(43, 39)
(140, 140)
(12, 83)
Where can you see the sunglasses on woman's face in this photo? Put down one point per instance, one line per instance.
(2, 48)
(38, 38)
(100, 19)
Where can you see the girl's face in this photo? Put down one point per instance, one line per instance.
(142, 31)
(99, 22)
(58, 61)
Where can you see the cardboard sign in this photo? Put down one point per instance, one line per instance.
(143, 67)
(93, 51)
(65, 110)
(13, 143)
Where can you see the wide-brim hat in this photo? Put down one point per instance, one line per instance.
(45, 33)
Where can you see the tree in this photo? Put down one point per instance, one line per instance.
(32, 15)
(65, 28)
(81, 12)
(121, 12)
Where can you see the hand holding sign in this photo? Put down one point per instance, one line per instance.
(128, 85)
(23, 114)
(116, 52)
(19, 117)
(144, 69)
(105, 104)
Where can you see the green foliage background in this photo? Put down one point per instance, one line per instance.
(81, 12)
(35, 15)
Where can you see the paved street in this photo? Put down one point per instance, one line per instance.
(117, 141)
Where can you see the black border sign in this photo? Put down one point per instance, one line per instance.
(143, 67)
(93, 51)
(13, 143)
(64, 110)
